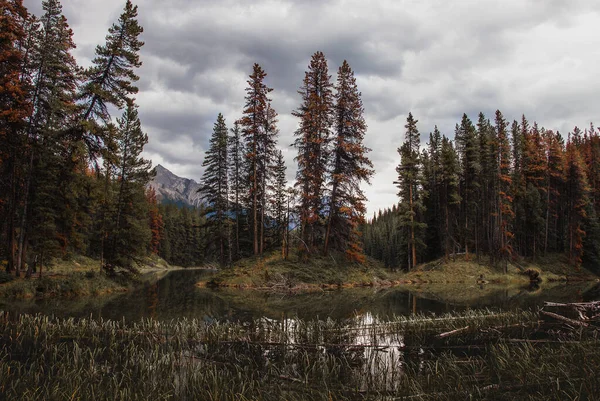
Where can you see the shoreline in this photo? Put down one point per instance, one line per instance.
(273, 274)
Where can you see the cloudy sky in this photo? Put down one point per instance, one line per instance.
(435, 58)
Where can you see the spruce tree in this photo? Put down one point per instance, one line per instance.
(15, 106)
(280, 197)
(350, 167)
(54, 82)
(449, 196)
(578, 201)
(410, 190)
(504, 213)
(312, 141)
(128, 229)
(110, 80)
(254, 122)
(236, 181)
(215, 189)
(469, 156)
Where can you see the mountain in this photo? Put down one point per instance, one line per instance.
(174, 189)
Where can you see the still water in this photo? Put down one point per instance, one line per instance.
(176, 296)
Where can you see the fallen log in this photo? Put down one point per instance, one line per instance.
(565, 319)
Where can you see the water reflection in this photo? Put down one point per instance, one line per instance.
(176, 296)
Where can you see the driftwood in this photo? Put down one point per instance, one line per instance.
(565, 319)
(453, 332)
(586, 311)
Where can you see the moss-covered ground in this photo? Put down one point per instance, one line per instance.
(318, 272)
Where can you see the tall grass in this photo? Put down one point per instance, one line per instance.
(491, 356)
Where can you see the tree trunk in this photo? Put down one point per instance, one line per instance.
(255, 204)
(412, 228)
(20, 251)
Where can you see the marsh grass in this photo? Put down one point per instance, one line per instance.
(492, 355)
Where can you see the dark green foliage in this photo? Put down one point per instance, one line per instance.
(184, 236)
(411, 192)
(506, 193)
(110, 80)
(215, 191)
(279, 199)
(127, 230)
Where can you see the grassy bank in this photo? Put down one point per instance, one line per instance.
(472, 355)
(295, 274)
(80, 276)
(319, 272)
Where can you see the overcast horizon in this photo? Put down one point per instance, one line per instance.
(434, 59)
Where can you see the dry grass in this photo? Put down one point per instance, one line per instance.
(509, 356)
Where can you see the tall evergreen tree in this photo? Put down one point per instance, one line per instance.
(504, 213)
(449, 195)
(129, 233)
(432, 185)
(312, 141)
(54, 82)
(268, 152)
(215, 189)
(15, 106)
(350, 167)
(409, 190)
(236, 181)
(110, 80)
(254, 122)
(470, 164)
(280, 197)
(578, 201)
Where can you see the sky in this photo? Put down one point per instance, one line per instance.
(435, 58)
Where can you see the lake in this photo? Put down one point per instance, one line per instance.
(176, 296)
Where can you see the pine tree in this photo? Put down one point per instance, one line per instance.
(129, 233)
(449, 196)
(350, 167)
(555, 181)
(267, 147)
(469, 156)
(518, 184)
(215, 189)
(312, 141)
(110, 80)
(485, 233)
(578, 200)
(504, 212)
(15, 106)
(253, 123)
(280, 197)
(534, 172)
(409, 190)
(54, 83)
(236, 181)
(431, 172)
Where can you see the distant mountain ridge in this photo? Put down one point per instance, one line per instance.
(171, 188)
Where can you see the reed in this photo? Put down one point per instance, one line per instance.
(476, 354)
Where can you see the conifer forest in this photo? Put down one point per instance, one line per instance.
(74, 180)
(279, 271)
